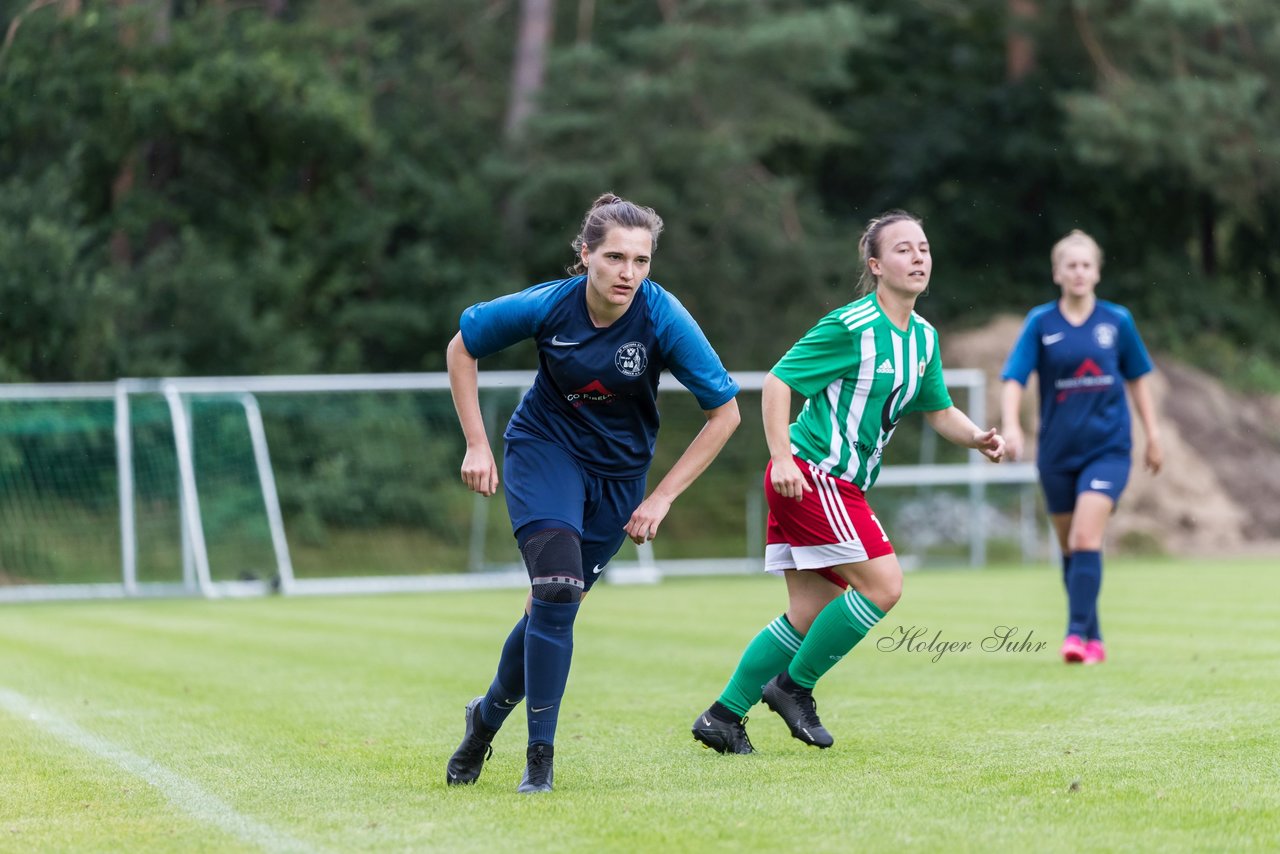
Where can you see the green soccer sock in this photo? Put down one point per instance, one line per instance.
(837, 629)
(765, 657)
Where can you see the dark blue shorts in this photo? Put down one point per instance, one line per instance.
(544, 483)
(1107, 475)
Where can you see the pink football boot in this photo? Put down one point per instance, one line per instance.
(1094, 652)
(1073, 649)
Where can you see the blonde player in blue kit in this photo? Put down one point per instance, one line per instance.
(577, 451)
(1084, 351)
(861, 369)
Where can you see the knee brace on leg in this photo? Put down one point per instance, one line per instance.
(554, 560)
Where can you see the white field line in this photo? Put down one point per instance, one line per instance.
(181, 792)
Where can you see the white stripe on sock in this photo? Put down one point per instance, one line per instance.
(858, 607)
(787, 638)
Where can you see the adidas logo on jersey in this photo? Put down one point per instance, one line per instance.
(886, 367)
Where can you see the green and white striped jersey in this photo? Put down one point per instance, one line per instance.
(859, 374)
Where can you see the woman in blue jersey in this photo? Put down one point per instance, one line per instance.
(1084, 351)
(577, 450)
(863, 367)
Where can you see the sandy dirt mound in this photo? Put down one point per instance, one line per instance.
(1220, 487)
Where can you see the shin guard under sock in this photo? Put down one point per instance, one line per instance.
(838, 628)
(1084, 582)
(548, 650)
(765, 657)
(507, 689)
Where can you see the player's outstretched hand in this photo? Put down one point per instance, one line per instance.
(991, 444)
(480, 471)
(644, 522)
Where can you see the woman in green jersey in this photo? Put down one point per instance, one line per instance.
(860, 369)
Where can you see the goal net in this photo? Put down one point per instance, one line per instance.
(225, 486)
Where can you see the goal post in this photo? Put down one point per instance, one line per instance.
(231, 486)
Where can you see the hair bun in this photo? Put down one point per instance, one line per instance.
(606, 212)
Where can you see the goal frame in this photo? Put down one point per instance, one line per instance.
(177, 392)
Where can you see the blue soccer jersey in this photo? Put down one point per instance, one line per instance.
(1082, 370)
(596, 389)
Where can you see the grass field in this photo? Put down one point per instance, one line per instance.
(323, 724)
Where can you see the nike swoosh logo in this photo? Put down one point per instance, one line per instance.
(1099, 484)
(599, 569)
(543, 709)
(706, 721)
(556, 342)
(1053, 339)
(510, 704)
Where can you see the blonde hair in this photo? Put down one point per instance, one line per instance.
(869, 246)
(1073, 237)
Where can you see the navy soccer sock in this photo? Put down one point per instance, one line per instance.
(507, 689)
(548, 649)
(1084, 580)
(1091, 630)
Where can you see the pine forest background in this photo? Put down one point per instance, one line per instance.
(289, 187)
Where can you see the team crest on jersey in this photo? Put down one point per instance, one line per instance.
(631, 359)
(1105, 335)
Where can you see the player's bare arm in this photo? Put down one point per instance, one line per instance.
(1140, 390)
(479, 468)
(775, 408)
(1011, 419)
(956, 427)
(721, 423)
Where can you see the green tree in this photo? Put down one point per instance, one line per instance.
(1184, 102)
(193, 186)
(711, 114)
